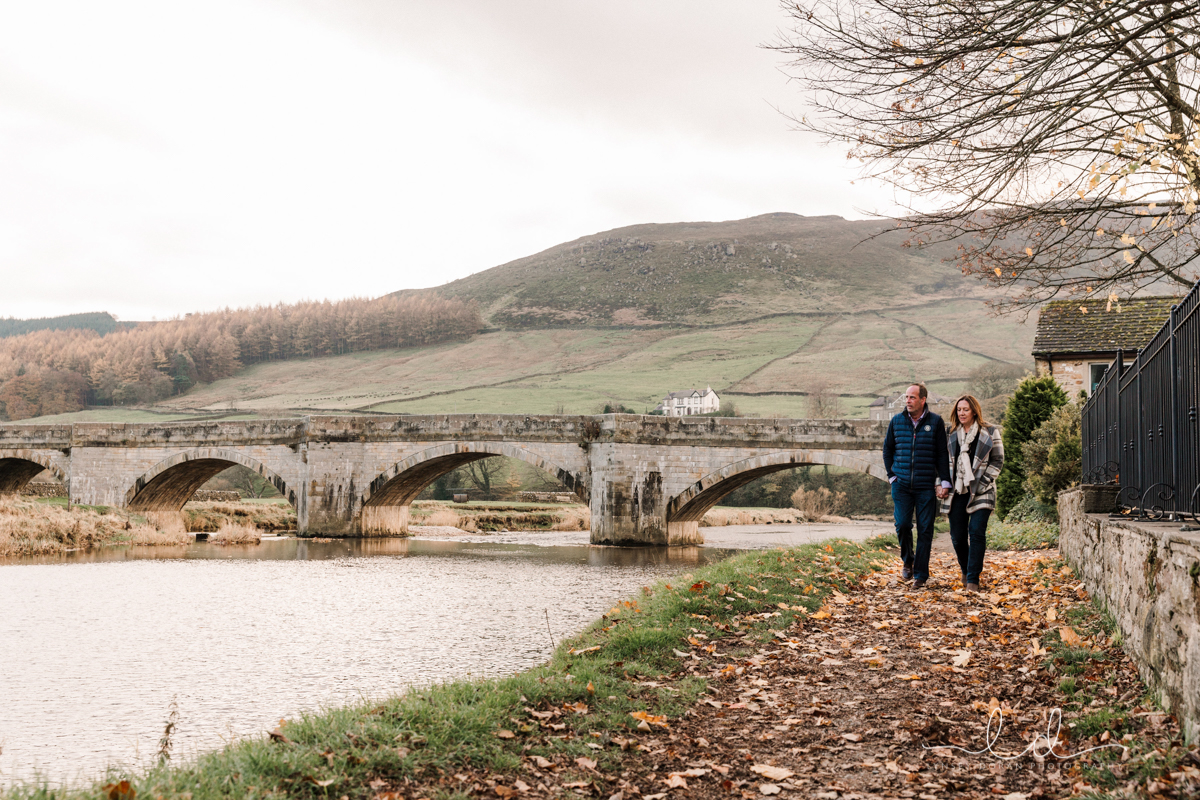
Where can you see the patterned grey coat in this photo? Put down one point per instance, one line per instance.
(989, 459)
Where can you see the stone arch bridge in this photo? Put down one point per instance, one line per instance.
(647, 479)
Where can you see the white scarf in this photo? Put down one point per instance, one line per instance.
(964, 474)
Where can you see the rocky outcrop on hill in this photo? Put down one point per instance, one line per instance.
(707, 272)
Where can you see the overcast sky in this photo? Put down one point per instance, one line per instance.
(158, 158)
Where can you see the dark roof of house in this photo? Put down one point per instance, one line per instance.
(1064, 326)
(690, 393)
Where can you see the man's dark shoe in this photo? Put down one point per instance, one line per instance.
(919, 584)
(972, 587)
(906, 574)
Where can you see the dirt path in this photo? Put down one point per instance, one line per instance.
(864, 698)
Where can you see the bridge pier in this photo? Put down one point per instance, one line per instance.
(629, 499)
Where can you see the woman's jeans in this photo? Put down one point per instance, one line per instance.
(968, 533)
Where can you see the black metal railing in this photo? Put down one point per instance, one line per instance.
(1141, 426)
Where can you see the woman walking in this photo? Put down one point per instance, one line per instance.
(976, 456)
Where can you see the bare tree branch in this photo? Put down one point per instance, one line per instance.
(1056, 141)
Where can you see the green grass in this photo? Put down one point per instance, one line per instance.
(1022, 535)
(1091, 709)
(118, 415)
(601, 674)
(62, 502)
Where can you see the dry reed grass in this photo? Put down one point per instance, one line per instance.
(207, 516)
(236, 533)
(573, 518)
(439, 516)
(433, 513)
(167, 521)
(443, 517)
(719, 517)
(817, 504)
(29, 528)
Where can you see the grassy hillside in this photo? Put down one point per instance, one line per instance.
(710, 272)
(762, 310)
(765, 367)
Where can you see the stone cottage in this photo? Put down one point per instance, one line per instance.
(1076, 341)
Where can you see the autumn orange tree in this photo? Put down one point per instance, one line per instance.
(1055, 142)
(57, 371)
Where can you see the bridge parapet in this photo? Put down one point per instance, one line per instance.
(846, 434)
(48, 437)
(450, 427)
(189, 434)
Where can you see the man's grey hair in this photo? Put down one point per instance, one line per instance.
(922, 392)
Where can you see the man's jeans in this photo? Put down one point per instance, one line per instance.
(968, 533)
(922, 503)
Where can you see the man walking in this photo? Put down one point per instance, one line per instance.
(918, 467)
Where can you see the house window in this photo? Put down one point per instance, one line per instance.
(1097, 375)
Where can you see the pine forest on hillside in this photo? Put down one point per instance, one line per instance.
(60, 371)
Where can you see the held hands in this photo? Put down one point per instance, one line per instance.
(942, 493)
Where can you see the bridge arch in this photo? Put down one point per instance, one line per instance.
(19, 467)
(686, 509)
(168, 484)
(386, 501)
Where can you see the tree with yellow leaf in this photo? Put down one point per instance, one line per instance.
(1056, 142)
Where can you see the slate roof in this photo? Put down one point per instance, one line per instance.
(1064, 329)
(691, 393)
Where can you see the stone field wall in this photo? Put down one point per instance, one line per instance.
(44, 489)
(1147, 575)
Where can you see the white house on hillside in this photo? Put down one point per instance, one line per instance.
(686, 403)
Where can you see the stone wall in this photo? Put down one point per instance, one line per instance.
(214, 496)
(545, 497)
(1147, 575)
(44, 489)
(1072, 374)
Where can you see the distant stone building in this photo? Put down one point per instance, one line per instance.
(890, 405)
(1076, 341)
(687, 403)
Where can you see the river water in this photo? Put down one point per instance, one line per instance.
(95, 647)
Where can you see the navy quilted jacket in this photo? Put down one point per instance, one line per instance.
(917, 458)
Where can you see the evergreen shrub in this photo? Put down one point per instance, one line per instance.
(1031, 405)
(1053, 456)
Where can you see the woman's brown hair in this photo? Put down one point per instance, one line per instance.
(975, 409)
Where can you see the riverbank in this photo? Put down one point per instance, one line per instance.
(36, 527)
(810, 672)
(29, 528)
(44, 526)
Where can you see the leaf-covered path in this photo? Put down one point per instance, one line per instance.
(861, 698)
